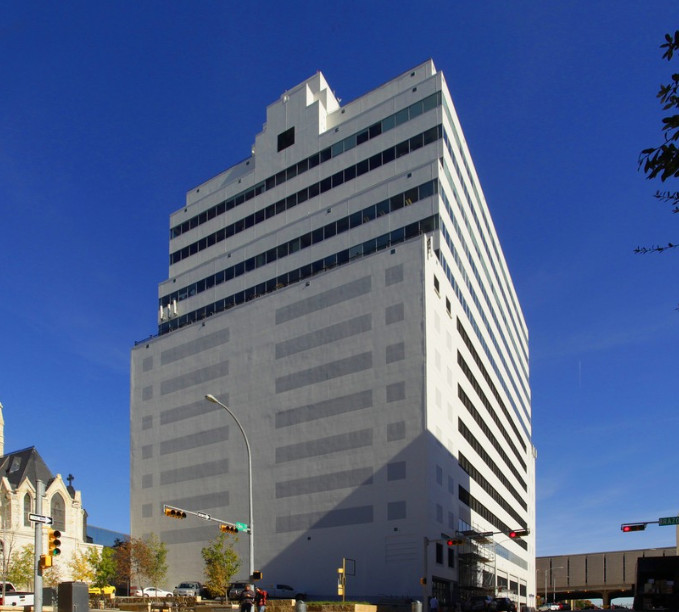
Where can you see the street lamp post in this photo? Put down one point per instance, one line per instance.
(214, 400)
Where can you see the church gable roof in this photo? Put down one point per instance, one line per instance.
(25, 464)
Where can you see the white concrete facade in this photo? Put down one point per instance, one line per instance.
(344, 292)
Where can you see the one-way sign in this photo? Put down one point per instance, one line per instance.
(40, 518)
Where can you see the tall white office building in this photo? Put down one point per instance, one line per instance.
(343, 291)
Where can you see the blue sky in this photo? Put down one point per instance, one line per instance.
(111, 111)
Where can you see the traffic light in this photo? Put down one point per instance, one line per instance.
(54, 542)
(257, 575)
(226, 528)
(423, 581)
(174, 513)
(455, 542)
(518, 533)
(45, 562)
(633, 527)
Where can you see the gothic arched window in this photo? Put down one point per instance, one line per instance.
(28, 505)
(58, 512)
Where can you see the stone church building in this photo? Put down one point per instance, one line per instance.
(19, 472)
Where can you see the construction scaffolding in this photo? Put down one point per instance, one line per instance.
(477, 571)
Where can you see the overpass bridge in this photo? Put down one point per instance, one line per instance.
(605, 575)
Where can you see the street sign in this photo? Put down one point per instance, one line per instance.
(203, 515)
(40, 518)
(668, 520)
(242, 526)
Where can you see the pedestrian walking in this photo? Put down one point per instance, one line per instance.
(433, 604)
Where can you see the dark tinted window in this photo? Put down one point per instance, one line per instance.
(286, 139)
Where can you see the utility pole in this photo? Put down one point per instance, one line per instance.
(37, 571)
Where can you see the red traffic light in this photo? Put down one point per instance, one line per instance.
(518, 533)
(455, 542)
(632, 527)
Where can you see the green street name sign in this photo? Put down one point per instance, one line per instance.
(244, 527)
(668, 520)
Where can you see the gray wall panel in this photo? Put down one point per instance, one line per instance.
(197, 440)
(396, 392)
(198, 408)
(197, 377)
(332, 333)
(395, 352)
(396, 470)
(332, 297)
(201, 502)
(324, 409)
(327, 371)
(325, 446)
(194, 347)
(394, 313)
(201, 534)
(325, 482)
(322, 520)
(195, 472)
(393, 275)
(396, 431)
(396, 510)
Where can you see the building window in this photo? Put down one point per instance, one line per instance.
(286, 139)
(439, 553)
(58, 512)
(437, 286)
(27, 509)
(451, 557)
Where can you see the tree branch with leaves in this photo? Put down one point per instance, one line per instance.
(663, 161)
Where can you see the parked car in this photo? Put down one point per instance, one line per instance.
(14, 597)
(109, 590)
(235, 590)
(504, 604)
(481, 603)
(155, 592)
(188, 589)
(282, 591)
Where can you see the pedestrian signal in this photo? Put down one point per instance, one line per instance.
(45, 562)
(228, 528)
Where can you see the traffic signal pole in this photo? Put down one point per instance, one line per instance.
(226, 526)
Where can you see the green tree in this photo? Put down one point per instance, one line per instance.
(221, 564)
(663, 161)
(105, 568)
(20, 567)
(122, 560)
(52, 576)
(140, 560)
(156, 568)
(82, 565)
